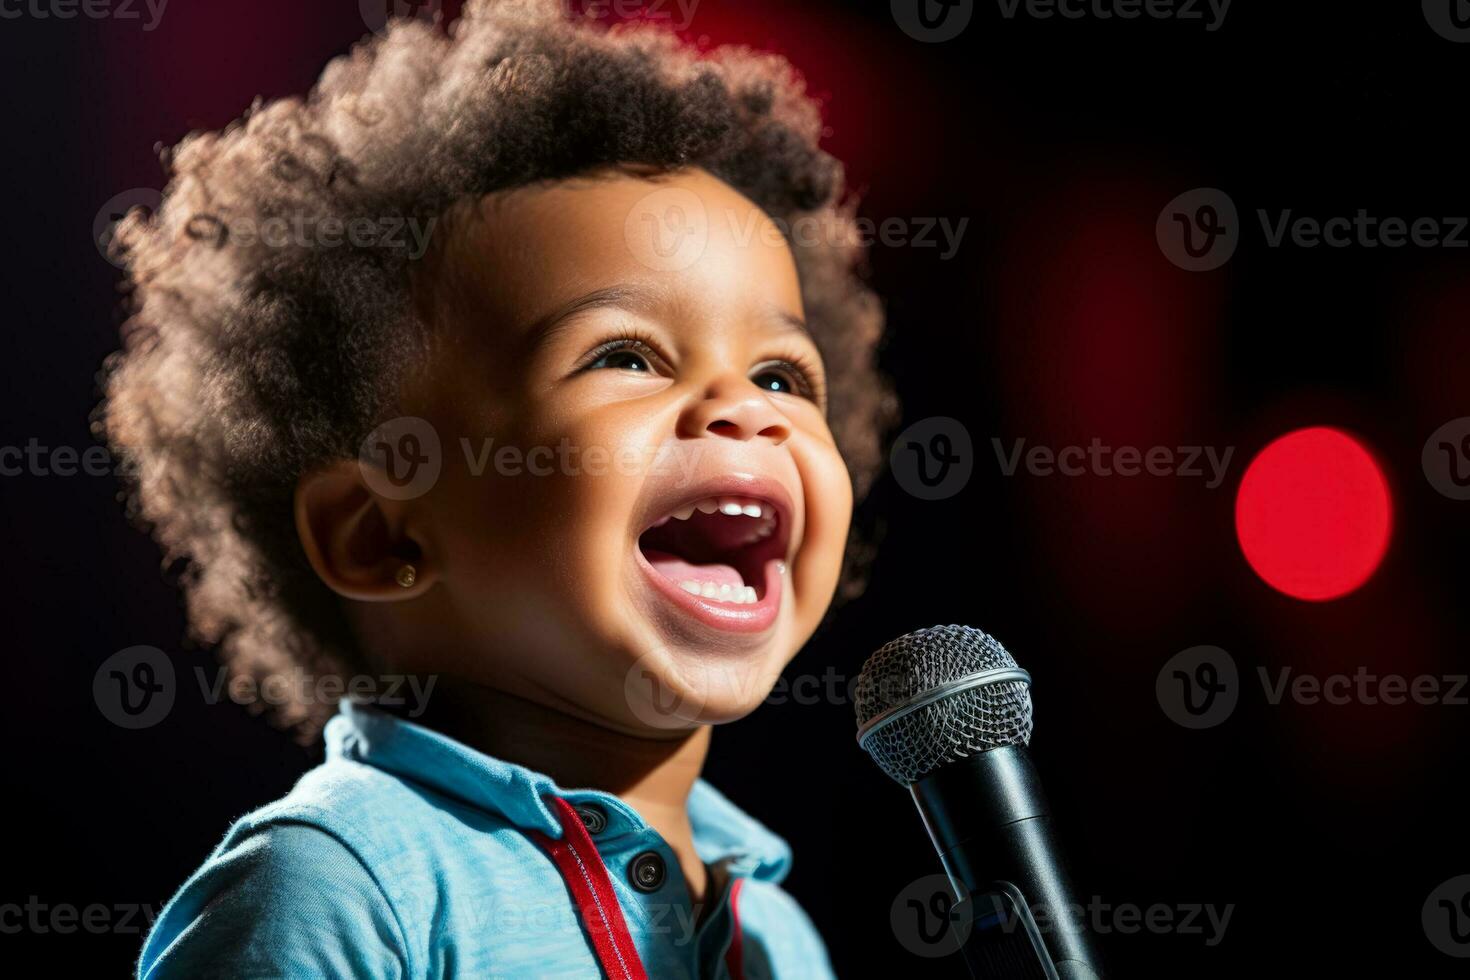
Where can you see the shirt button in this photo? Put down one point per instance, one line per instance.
(647, 871)
(592, 817)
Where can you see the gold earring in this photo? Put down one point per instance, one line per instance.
(406, 576)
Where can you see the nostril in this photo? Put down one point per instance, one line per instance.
(724, 427)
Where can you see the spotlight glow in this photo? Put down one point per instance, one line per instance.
(1313, 514)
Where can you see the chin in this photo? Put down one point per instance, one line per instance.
(674, 687)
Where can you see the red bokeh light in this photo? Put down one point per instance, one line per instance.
(1313, 514)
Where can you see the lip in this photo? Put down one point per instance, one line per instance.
(752, 617)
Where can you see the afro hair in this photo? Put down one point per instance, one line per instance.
(248, 361)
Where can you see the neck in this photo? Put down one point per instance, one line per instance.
(654, 776)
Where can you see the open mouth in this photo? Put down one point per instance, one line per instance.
(718, 548)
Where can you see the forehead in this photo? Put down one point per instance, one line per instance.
(686, 236)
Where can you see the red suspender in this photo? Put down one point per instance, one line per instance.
(734, 955)
(586, 877)
(581, 867)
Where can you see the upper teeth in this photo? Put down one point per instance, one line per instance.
(732, 506)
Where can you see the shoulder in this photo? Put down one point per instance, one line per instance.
(352, 873)
(283, 898)
(775, 928)
(337, 786)
(398, 828)
(340, 877)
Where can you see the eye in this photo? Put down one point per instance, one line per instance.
(784, 377)
(624, 353)
(624, 359)
(775, 381)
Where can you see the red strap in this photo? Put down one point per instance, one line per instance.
(586, 877)
(735, 953)
(582, 869)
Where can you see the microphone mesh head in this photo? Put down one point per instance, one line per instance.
(913, 743)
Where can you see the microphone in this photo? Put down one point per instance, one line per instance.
(946, 712)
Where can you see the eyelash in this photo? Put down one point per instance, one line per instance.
(803, 372)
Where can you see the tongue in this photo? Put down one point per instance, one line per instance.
(678, 570)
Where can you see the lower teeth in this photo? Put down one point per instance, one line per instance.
(737, 594)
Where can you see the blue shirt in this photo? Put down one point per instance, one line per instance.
(404, 854)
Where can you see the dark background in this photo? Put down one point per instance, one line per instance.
(1059, 320)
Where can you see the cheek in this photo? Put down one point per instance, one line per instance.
(602, 458)
(533, 544)
(557, 495)
(827, 491)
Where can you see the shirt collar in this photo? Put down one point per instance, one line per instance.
(369, 735)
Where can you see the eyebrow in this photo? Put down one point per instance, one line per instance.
(789, 322)
(638, 299)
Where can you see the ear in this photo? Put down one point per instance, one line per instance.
(357, 540)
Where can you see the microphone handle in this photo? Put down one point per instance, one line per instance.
(989, 821)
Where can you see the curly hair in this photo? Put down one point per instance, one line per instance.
(246, 362)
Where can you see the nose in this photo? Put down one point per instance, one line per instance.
(735, 409)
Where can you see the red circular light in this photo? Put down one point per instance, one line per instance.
(1313, 514)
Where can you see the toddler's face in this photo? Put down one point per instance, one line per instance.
(660, 513)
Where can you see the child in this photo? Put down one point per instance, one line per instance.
(528, 361)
